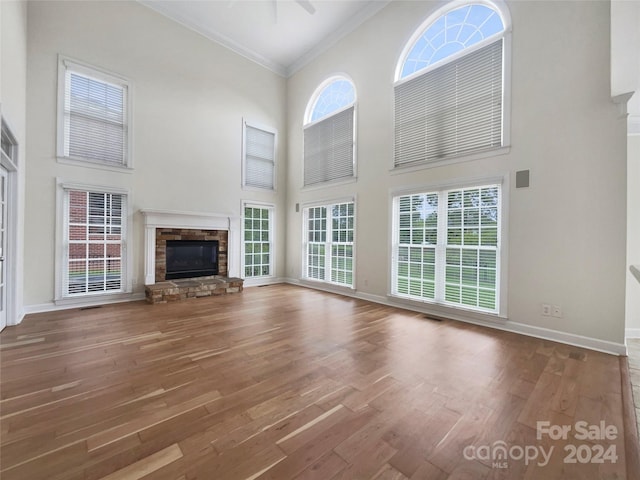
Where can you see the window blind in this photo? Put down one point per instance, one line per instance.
(95, 119)
(259, 158)
(94, 238)
(328, 148)
(453, 110)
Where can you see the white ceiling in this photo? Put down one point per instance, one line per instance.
(278, 34)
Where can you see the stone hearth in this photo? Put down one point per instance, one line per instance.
(176, 290)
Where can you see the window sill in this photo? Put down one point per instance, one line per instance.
(90, 300)
(94, 164)
(495, 152)
(259, 281)
(448, 311)
(327, 286)
(330, 183)
(251, 188)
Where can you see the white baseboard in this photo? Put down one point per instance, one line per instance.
(18, 319)
(40, 308)
(590, 343)
(499, 323)
(52, 307)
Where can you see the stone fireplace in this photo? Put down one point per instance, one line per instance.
(163, 226)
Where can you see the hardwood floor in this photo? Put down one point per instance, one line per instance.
(283, 382)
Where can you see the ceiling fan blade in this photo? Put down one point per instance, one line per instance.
(306, 4)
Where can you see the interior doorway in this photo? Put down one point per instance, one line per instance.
(8, 216)
(4, 190)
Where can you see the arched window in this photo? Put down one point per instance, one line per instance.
(449, 90)
(329, 132)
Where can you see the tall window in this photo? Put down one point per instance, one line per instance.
(93, 123)
(447, 247)
(329, 133)
(94, 242)
(258, 241)
(329, 233)
(259, 156)
(450, 85)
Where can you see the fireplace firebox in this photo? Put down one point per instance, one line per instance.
(191, 258)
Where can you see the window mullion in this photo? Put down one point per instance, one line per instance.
(441, 246)
(328, 244)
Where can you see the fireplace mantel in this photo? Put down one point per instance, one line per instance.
(175, 219)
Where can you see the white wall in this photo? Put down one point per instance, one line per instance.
(189, 97)
(13, 72)
(567, 231)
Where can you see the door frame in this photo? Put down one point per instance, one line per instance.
(11, 254)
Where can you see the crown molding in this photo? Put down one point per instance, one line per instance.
(283, 70)
(330, 40)
(216, 37)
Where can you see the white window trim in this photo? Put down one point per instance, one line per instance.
(439, 308)
(12, 162)
(248, 123)
(327, 203)
(86, 69)
(331, 183)
(262, 280)
(308, 123)
(315, 96)
(489, 153)
(499, 6)
(60, 256)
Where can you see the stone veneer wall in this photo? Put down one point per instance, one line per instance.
(176, 290)
(164, 234)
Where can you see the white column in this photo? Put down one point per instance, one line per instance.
(233, 248)
(149, 255)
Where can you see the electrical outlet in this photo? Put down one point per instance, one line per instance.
(556, 311)
(546, 309)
